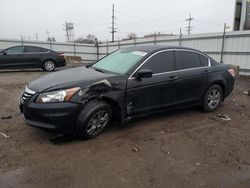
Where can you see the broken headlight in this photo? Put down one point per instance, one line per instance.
(57, 96)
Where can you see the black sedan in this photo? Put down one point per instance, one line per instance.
(31, 57)
(126, 84)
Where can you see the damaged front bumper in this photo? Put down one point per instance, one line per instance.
(57, 116)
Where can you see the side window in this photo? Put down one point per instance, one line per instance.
(44, 50)
(188, 60)
(204, 61)
(34, 49)
(161, 62)
(15, 50)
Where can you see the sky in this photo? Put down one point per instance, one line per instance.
(28, 17)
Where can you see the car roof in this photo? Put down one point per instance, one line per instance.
(153, 48)
(26, 46)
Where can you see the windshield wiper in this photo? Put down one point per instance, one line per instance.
(99, 70)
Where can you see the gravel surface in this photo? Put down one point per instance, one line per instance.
(184, 148)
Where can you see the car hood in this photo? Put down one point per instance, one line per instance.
(74, 75)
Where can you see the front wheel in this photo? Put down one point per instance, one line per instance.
(93, 119)
(49, 65)
(212, 98)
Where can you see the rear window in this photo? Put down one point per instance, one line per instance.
(188, 60)
(204, 60)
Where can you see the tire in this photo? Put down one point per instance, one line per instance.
(212, 98)
(49, 65)
(89, 123)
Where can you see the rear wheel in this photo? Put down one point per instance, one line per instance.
(212, 98)
(93, 119)
(49, 65)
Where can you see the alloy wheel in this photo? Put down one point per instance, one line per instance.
(49, 65)
(97, 122)
(214, 98)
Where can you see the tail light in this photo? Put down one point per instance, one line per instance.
(232, 72)
(61, 54)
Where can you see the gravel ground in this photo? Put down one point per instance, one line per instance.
(184, 148)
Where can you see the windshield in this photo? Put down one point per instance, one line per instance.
(119, 62)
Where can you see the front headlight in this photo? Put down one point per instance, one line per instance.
(57, 96)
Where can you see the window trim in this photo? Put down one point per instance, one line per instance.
(131, 77)
(198, 54)
(35, 52)
(162, 51)
(14, 53)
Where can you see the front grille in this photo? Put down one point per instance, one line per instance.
(27, 94)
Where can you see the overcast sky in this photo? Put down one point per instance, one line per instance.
(28, 17)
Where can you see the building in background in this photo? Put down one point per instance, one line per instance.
(242, 15)
(157, 35)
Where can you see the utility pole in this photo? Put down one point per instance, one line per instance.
(49, 39)
(223, 42)
(180, 37)
(113, 29)
(47, 32)
(22, 39)
(118, 43)
(36, 36)
(155, 38)
(189, 27)
(67, 32)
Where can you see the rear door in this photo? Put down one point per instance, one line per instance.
(150, 94)
(33, 56)
(193, 73)
(12, 58)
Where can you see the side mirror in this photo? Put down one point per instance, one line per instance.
(144, 73)
(4, 52)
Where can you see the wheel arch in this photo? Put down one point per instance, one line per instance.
(117, 112)
(49, 59)
(116, 108)
(222, 84)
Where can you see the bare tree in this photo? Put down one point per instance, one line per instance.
(89, 39)
(80, 40)
(132, 36)
(51, 39)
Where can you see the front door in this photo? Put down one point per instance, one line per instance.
(151, 94)
(12, 58)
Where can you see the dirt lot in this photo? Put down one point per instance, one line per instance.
(184, 148)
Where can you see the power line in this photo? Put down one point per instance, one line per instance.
(94, 23)
(199, 8)
(149, 23)
(207, 22)
(98, 18)
(189, 27)
(144, 20)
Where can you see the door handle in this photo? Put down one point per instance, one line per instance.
(172, 78)
(207, 71)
